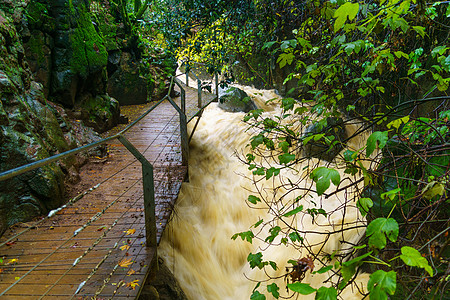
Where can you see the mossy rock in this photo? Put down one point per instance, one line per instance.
(100, 112)
(126, 84)
(335, 133)
(235, 100)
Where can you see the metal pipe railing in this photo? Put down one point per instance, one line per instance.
(147, 167)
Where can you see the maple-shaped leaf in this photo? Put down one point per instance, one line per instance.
(131, 272)
(133, 284)
(124, 247)
(130, 231)
(125, 263)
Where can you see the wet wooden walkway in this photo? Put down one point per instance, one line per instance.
(95, 247)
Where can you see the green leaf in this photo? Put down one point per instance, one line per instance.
(258, 223)
(257, 296)
(273, 289)
(398, 122)
(322, 177)
(294, 236)
(419, 29)
(255, 260)
(301, 288)
(382, 283)
(347, 273)
(253, 199)
(349, 10)
(412, 257)
(257, 140)
(268, 45)
(287, 103)
(390, 195)
(364, 204)
(274, 231)
(294, 211)
(323, 270)
(272, 172)
(377, 136)
(379, 228)
(401, 54)
(246, 235)
(324, 293)
(286, 158)
(259, 171)
(285, 58)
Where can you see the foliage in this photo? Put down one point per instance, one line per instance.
(381, 62)
(381, 66)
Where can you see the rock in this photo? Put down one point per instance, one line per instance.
(334, 129)
(101, 112)
(125, 84)
(166, 285)
(235, 100)
(38, 55)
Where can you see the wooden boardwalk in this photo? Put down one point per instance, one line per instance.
(95, 247)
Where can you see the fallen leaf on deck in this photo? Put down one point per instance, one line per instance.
(133, 284)
(130, 231)
(131, 272)
(124, 247)
(12, 261)
(10, 243)
(125, 263)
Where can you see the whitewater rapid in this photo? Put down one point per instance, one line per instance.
(211, 207)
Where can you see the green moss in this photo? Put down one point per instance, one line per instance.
(36, 45)
(89, 52)
(36, 12)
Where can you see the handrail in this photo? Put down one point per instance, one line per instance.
(147, 167)
(199, 83)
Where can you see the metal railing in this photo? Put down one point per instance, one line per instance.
(147, 167)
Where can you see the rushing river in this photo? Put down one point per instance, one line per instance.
(197, 244)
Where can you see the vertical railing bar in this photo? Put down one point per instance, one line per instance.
(199, 91)
(149, 193)
(216, 77)
(183, 132)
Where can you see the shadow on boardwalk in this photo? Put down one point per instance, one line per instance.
(95, 246)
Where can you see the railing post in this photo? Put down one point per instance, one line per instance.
(187, 78)
(149, 205)
(216, 77)
(199, 91)
(149, 193)
(184, 140)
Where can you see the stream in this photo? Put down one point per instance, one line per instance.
(197, 245)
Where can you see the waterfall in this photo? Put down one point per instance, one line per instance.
(211, 207)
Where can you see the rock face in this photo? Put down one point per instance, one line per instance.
(67, 54)
(334, 130)
(235, 100)
(125, 83)
(31, 128)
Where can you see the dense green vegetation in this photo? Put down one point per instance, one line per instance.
(383, 63)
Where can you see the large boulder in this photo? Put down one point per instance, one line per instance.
(235, 100)
(100, 112)
(329, 146)
(126, 83)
